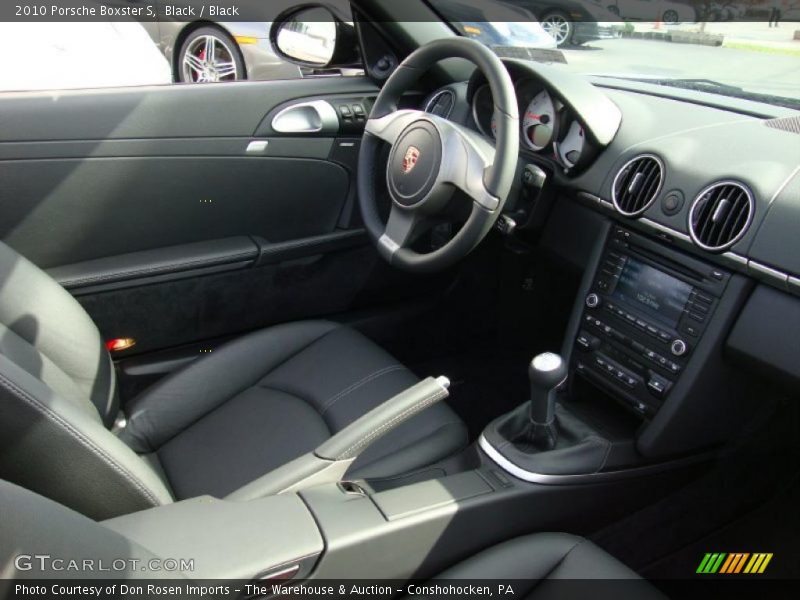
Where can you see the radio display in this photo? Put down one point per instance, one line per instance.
(657, 293)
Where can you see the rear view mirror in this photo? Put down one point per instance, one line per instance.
(312, 36)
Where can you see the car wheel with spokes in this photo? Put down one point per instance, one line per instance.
(210, 55)
(559, 27)
(670, 17)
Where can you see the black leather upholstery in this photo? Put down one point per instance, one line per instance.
(544, 565)
(215, 426)
(58, 398)
(271, 396)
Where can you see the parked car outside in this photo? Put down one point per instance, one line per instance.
(207, 52)
(666, 11)
(504, 25)
(573, 22)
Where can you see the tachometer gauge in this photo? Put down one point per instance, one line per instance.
(570, 148)
(539, 121)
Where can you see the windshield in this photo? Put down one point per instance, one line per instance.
(748, 49)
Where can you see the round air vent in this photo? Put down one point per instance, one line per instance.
(720, 215)
(441, 104)
(637, 184)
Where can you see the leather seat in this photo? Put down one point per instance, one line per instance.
(213, 427)
(554, 565)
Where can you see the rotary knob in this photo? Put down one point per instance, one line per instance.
(593, 300)
(678, 347)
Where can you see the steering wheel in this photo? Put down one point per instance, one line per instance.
(431, 156)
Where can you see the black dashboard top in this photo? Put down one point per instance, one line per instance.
(723, 173)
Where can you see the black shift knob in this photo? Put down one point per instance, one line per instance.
(546, 372)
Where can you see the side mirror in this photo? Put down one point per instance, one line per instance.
(313, 36)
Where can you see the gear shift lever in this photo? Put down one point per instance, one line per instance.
(546, 372)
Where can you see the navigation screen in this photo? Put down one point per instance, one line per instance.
(658, 293)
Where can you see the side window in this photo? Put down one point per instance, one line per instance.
(157, 51)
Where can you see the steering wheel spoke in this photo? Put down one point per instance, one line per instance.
(402, 228)
(389, 127)
(466, 156)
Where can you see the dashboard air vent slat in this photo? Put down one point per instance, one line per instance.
(720, 215)
(441, 104)
(637, 185)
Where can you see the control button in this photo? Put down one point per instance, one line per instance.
(700, 308)
(345, 111)
(689, 329)
(641, 324)
(586, 342)
(672, 203)
(673, 366)
(603, 285)
(678, 347)
(630, 318)
(657, 386)
(705, 299)
(652, 330)
(592, 300)
(664, 337)
(717, 274)
(696, 317)
(358, 111)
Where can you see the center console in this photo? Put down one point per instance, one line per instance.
(644, 383)
(647, 310)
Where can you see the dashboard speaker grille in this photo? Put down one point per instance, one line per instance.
(441, 104)
(790, 124)
(720, 215)
(637, 184)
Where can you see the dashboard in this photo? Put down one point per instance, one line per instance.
(720, 183)
(703, 195)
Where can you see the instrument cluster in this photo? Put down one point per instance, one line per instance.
(548, 126)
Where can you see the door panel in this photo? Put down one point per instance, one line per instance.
(151, 206)
(66, 211)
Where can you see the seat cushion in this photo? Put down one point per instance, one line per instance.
(265, 399)
(554, 565)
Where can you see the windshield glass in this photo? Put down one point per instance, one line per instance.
(748, 49)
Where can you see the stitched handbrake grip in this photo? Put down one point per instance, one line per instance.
(356, 437)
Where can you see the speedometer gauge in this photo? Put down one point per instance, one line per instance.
(539, 122)
(570, 148)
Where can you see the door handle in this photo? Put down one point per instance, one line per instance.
(316, 116)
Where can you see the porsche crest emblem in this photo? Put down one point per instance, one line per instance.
(410, 159)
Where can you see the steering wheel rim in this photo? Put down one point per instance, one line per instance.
(432, 156)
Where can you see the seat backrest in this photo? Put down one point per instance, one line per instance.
(58, 398)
